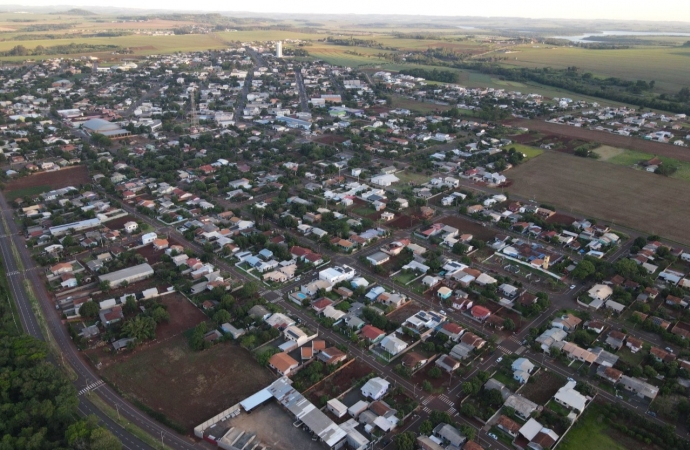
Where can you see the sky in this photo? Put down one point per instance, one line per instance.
(663, 10)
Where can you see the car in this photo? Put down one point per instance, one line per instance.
(572, 286)
(499, 359)
(570, 379)
(443, 312)
(493, 436)
(651, 413)
(669, 349)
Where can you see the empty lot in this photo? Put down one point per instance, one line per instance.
(188, 386)
(639, 200)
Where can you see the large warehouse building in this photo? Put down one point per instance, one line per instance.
(100, 126)
(130, 275)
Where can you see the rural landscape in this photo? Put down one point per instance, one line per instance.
(314, 230)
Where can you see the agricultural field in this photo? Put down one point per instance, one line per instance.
(170, 374)
(46, 181)
(621, 63)
(636, 199)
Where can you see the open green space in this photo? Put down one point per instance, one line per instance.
(530, 152)
(632, 157)
(590, 432)
(26, 192)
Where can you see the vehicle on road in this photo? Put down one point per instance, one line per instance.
(493, 436)
(443, 312)
(499, 359)
(669, 349)
(572, 286)
(650, 413)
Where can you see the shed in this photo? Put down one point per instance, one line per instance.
(336, 407)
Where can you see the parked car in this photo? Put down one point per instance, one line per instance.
(493, 436)
(499, 359)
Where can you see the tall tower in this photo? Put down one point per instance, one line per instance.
(279, 49)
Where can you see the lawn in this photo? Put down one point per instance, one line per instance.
(529, 152)
(590, 432)
(631, 158)
(408, 176)
(29, 191)
(628, 357)
(413, 105)
(404, 278)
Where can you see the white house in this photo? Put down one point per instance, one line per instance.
(375, 388)
(131, 227)
(148, 238)
(393, 345)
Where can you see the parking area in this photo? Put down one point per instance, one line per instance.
(274, 428)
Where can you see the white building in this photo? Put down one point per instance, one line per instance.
(148, 238)
(337, 274)
(375, 388)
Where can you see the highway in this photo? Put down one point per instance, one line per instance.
(87, 379)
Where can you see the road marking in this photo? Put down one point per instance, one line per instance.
(91, 387)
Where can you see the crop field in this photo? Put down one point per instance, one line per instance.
(636, 199)
(166, 376)
(635, 63)
(529, 152)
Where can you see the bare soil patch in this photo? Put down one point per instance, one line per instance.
(467, 226)
(183, 316)
(331, 139)
(187, 386)
(614, 140)
(72, 176)
(343, 380)
(636, 199)
(543, 388)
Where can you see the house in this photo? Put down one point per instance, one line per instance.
(372, 334)
(320, 304)
(444, 292)
(567, 322)
(508, 425)
(131, 227)
(332, 355)
(447, 363)
(393, 345)
(283, 363)
(538, 436)
(336, 407)
(609, 373)
(413, 360)
(600, 292)
(570, 398)
(480, 313)
(378, 258)
(634, 344)
(449, 435)
(522, 369)
(375, 388)
(638, 387)
(148, 238)
(452, 330)
(615, 339)
(523, 407)
(160, 244)
(550, 337)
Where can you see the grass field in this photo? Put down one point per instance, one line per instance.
(529, 152)
(630, 158)
(407, 176)
(27, 191)
(623, 63)
(186, 386)
(590, 432)
(639, 200)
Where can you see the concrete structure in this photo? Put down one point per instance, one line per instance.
(279, 49)
(375, 388)
(100, 126)
(61, 230)
(129, 275)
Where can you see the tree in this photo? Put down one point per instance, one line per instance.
(89, 310)
(104, 285)
(405, 441)
(426, 385)
(508, 324)
(435, 372)
(426, 427)
(468, 409)
(130, 306)
(222, 316)
(140, 328)
(583, 270)
(102, 439)
(160, 314)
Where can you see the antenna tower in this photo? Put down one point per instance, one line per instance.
(195, 118)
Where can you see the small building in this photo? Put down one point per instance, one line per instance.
(336, 407)
(283, 363)
(375, 388)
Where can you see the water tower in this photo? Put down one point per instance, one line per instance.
(279, 49)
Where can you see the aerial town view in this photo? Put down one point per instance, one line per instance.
(371, 225)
